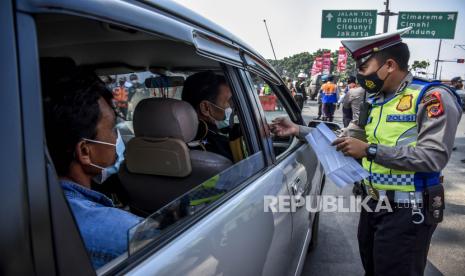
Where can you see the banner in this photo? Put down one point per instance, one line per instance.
(317, 66)
(342, 59)
(326, 63)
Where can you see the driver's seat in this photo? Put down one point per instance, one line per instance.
(159, 167)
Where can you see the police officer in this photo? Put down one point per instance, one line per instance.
(301, 86)
(410, 128)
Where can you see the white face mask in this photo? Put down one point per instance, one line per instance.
(112, 169)
(227, 115)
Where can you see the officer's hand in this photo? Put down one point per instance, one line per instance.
(284, 127)
(351, 147)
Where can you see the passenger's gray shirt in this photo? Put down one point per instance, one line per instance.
(435, 140)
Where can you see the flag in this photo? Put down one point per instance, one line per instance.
(342, 59)
(326, 63)
(317, 66)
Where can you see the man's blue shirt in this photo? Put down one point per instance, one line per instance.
(103, 227)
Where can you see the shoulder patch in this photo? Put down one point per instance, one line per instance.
(433, 104)
(405, 103)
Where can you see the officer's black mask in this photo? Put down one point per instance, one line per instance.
(371, 82)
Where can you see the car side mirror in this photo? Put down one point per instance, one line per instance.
(330, 125)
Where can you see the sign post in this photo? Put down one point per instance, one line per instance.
(435, 25)
(348, 23)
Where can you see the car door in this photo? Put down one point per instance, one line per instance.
(294, 159)
(241, 236)
(15, 235)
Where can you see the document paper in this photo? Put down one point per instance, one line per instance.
(342, 170)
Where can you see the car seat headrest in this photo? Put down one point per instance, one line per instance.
(162, 117)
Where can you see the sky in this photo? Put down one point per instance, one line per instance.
(295, 25)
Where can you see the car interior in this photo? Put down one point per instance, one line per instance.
(158, 131)
(163, 178)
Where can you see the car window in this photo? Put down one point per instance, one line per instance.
(193, 202)
(273, 106)
(130, 88)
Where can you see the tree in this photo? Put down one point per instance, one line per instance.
(293, 65)
(419, 65)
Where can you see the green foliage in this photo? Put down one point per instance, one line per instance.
(293, 65)
(420, 65)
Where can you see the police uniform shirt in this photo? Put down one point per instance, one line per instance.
(436, 134)
(352, 101)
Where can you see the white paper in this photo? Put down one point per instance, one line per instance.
(342, 170)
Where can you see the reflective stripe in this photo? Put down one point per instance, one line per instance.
(402, 197)
(408, 137)
(392, 179)
(407, 141)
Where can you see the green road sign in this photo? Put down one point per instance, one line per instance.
(348, 23)
(439, 25)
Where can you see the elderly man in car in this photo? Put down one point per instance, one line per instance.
(86, 149)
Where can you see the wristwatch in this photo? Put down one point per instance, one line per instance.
(371, 152)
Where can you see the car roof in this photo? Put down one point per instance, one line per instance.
(198, 20)
(170, 18)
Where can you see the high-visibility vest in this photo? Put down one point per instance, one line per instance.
(393, 123)
(120, 94)
(329, 90)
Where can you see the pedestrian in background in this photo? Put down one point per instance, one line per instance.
(351, 102)
(319, 98)
(329, 98)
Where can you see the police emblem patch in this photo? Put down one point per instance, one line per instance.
(434, 104)
(405, 103)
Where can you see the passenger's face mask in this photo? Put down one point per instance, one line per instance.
(371, 82)
(112, 169)
(227, 115)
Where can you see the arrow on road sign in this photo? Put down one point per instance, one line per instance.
(450, 16)
(329, 16)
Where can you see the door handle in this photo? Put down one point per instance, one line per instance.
(296, 187)
(297, 191)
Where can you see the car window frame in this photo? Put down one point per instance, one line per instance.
(14, 191)
(290, 106)
(34, 146)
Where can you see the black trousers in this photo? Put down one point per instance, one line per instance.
(300, 101)
(328, 111)
(346, 116)
(391, 244)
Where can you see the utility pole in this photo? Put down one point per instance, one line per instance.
(386, 15)
(269, 37)
(436, 62)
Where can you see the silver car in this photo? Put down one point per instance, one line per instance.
(214, 220)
